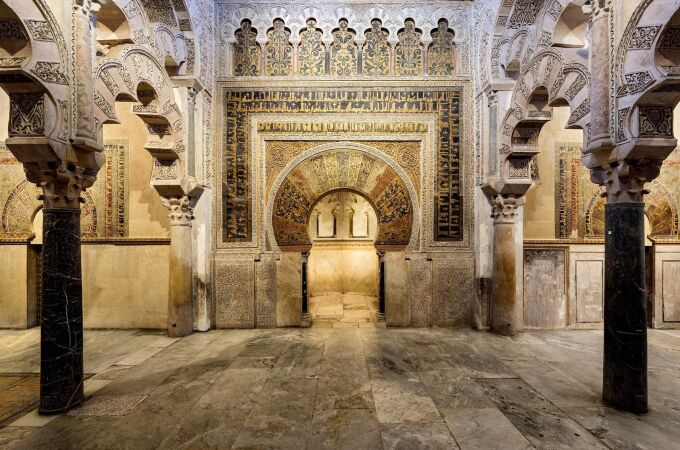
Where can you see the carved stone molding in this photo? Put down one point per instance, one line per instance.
(62, 183)
(624, 181)
(181, 211)
(27, 114)
(504, 208)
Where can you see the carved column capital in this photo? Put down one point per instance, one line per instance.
(504, 208)
(62, 183)
(493, 99)
(624, 181)
(305, 257)
(599, 9)
(181, 211)
(193, 94)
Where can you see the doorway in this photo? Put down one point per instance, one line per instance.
(343, 266)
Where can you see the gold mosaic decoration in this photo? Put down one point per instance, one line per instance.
(104, 213)
(247, 52)
(446, 102)
(342, 169)
(376, 51)
(580, 207)
(344, 59)
(279, 153)
(312, 51)
(441, 53)
(409, 50)
(279, 51)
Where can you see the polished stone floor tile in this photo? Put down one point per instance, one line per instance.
(343, 388)
(426, 436)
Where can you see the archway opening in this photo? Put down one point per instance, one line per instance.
(343, 268)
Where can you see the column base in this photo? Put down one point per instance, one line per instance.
(306, 321)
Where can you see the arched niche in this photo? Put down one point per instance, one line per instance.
(320, 171)
(112, 25)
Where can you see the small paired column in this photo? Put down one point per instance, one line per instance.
(306, 317)
(180, 302)
(381, 286)
(504, 301)
(61, 332)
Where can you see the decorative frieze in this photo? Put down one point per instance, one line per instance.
(49, 72)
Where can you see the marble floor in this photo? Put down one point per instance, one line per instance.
(343, 310)
(348, 388)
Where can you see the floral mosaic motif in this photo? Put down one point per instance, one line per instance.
(376, 51)
(344, 53)
(312, 51)
(342, 169)
(279, 51)
(247, 52)
(441, 55)
(409, 51)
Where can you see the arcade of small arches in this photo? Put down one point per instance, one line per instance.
(483, 164)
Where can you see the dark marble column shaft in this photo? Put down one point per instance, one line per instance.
(381, 283)
(625, 308)
(305, 288)
(61, 334)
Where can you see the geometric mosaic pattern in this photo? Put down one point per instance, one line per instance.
(237, 173)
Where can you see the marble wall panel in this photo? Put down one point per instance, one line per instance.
(545, 287)
(665, 307)
(421, 291)
(234, 293)
(265, 292)
(289, 290)
(586, 284)
(343, 270)
(142, 269)
(13, 286)
(453, 290)
(397, 290)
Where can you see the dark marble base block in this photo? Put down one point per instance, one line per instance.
(61, 334)
(625, 309)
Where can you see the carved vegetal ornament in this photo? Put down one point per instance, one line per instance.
(62, 183)
(181, 211)
(624, 181)
(504, 208)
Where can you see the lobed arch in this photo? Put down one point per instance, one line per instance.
(38, 87)
(564, 85)
(133, 74)
(327, 20)
(166, 27)
(22, 204)
(660, 208)
(647, 76)
(344, 166)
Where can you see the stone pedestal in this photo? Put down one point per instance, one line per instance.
(61, 332)
(625, 308)
(180, 302)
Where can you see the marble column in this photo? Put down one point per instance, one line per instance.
(191, 131)
(61, 332)
(504, 301)
(600, 69)
(305, 287)
(180, 302)
(84, 23)
(381, 286)
(625, 292)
